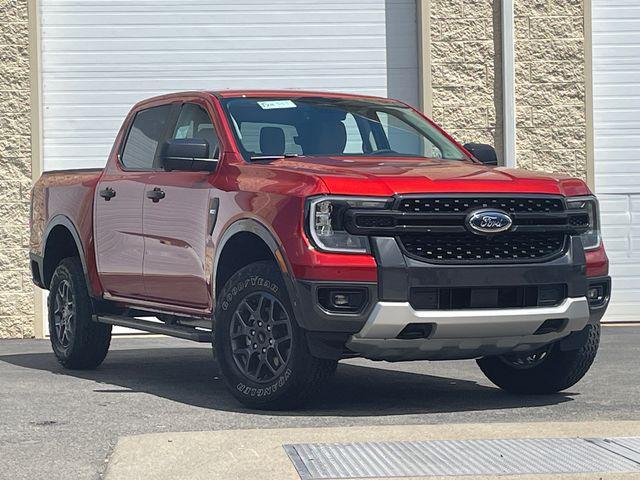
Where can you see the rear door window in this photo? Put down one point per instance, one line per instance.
(148, 130)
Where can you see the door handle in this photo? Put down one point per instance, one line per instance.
(156, 194)
(108, 193)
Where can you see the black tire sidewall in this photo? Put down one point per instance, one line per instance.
(559, 371)
(257, 277)
(90, 340)
(64, 271)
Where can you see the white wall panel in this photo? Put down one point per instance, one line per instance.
(101, 56)
(616, 102)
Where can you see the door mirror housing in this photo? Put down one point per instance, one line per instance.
(187, 154)
(486, 154)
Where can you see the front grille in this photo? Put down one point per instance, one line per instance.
(461, 298)
(438, 229)
(579, 220)
(465, 204)
(467, 247)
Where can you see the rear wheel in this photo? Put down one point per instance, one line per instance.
(548, 370)
(77, 341)
(263, 354)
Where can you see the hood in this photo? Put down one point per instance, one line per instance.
(390, 176)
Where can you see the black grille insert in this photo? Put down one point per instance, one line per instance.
(467, 247)
(465, 204)
(461, 298)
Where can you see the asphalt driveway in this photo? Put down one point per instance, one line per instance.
(56, 423)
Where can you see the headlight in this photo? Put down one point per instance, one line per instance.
(591, 238)
(326, 223)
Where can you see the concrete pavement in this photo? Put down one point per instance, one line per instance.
(62, 424)
(258, 454)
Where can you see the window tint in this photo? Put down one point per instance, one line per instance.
(252, 133)
(327, 126)
(146, 132)
(402, 137)
(354, 139)
(194, 122)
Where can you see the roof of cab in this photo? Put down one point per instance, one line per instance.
(294, 93)
(263, 94)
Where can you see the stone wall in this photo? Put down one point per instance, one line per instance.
(16, 290)
(466, 69)
(550, 78)
(550, 86)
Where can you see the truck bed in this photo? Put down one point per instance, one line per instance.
(59, 194)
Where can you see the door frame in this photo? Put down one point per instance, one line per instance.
(40, 327)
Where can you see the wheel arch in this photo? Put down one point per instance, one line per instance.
(261, 244)
(61, 240)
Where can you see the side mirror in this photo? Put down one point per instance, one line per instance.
(187, 154)
(483, 152)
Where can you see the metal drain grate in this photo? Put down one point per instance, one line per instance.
(627, 447)
(459, 457)
(632, 443)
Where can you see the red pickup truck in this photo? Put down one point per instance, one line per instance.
(295, 229)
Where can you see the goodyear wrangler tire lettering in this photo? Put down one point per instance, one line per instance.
(240, 286)
(266, 391)
(264, 358)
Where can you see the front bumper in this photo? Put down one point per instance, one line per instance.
(458, 334)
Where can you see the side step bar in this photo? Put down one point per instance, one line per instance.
(179, 331)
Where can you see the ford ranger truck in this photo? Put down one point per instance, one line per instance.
(295, 229)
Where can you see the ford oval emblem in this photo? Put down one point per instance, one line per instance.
(489, 221)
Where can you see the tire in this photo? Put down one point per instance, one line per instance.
(77, 341)
(555, 371)
(262, 352)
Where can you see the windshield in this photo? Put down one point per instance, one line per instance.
(270, 127)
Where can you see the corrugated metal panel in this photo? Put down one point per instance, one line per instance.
(616, 78)
(459, 457)
(626, 447)
(99, 57)
(621, 234)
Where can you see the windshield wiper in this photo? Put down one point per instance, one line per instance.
(274, 157)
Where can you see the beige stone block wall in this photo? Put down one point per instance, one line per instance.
(550, 86)
(16, 290)
(466, 69)
(550, 78)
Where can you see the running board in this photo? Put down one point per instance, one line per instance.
(188, 333)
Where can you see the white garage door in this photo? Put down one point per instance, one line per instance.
(101, 56)
(616, 76)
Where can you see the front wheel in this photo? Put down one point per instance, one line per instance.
(263, 354)
(77, 341)
(548, 370)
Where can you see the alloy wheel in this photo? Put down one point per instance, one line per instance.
(527, 360)
(260, 333)
(64, 313)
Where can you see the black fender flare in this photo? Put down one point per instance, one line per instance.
(257, 228)
(63, 220)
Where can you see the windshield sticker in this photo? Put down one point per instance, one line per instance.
(272, 104)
